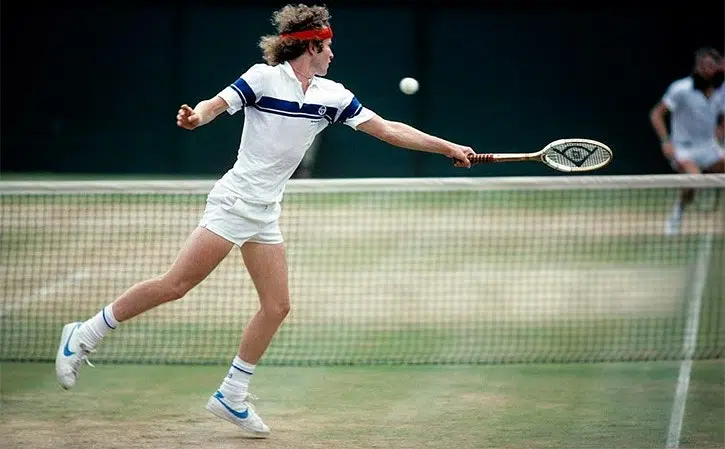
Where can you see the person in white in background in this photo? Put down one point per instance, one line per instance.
(286, 103)
(695, 105)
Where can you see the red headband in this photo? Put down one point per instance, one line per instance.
(319, 33)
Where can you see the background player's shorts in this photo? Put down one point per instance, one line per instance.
(239, 221)
(703, 155)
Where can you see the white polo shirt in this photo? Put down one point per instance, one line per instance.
(693, 116)
(280, 124)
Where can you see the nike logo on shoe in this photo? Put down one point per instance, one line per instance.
(241, 415)
(66, 350)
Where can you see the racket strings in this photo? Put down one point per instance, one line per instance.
(579, 155)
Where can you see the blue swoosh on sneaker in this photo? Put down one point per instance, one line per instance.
(66, 350)
(241, 415)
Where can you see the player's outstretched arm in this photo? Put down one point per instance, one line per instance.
(405, 136)
(203, 113)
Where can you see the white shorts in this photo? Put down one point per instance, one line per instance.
(239, 221)
(703, 156)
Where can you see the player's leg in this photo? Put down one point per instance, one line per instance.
(267, 266)
(717, 167)
(685, 197)
(202, 252)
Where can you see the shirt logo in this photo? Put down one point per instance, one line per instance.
(322, 110)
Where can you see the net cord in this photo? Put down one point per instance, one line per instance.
(347, 185)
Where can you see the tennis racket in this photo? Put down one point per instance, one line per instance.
(567, 155)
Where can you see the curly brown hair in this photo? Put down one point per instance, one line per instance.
(291, 18)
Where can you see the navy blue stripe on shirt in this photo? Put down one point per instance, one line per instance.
(350, 111)
(244, 91)
(293, 109)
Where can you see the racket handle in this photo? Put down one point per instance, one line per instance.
(482, 158)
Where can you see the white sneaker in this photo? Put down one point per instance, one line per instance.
(71, 353)
(243, 415)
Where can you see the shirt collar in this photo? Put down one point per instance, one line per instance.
(287, 68)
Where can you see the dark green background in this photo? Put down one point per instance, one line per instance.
(90, 88)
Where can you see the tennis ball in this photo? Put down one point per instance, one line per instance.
(409, 86)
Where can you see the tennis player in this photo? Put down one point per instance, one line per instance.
(286, 103)
(695, 106)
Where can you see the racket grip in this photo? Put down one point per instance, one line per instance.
(482, 158)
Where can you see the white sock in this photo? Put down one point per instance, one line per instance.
(236, 384)
(95, 328)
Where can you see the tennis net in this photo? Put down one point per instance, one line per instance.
(450, 270)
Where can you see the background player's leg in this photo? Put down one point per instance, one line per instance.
(717, 167)
(672, 226)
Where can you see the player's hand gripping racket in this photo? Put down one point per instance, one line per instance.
(567, 155)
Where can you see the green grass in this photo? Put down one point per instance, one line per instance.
(655, 200)
(618, 405)
(519, 252)
(483, 337)
(482, 342)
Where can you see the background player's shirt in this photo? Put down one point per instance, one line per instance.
(693, 116)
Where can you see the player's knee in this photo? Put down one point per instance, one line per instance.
(176, 288)
(276, 310)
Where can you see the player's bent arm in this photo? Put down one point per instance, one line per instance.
(208, 110)
(405, 136)
(658, 119)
